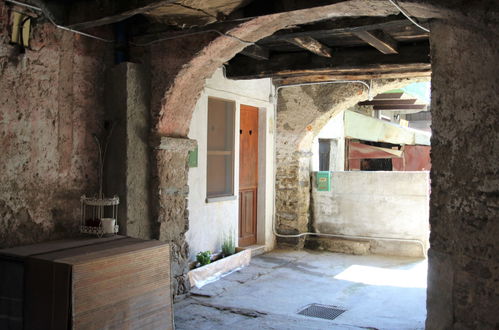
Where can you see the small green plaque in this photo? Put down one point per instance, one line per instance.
(323, 180)
(193, 158)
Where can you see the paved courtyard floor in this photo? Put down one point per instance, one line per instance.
(377, 292)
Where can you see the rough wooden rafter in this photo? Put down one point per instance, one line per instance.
(312, 45)
(352, 76)
(256, 52)
(379, 40)
(389, 102)
(412, 58)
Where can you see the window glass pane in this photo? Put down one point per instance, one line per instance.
(324, 154)
(220, 162)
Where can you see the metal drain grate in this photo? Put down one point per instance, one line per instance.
(322, 311)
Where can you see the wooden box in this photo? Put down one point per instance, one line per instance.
(118, 282)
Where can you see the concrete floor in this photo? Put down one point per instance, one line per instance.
(378, 293)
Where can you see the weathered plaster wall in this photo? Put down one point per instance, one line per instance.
(463, 290)
(51, 100)
(301, 114)
(127, 168)
(210, 222)
(374, 204)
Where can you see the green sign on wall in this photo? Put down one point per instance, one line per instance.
(193, 158)
(323, 180)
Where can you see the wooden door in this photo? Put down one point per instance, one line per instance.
(248, 175)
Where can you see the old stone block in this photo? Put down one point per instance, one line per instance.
(440, 291)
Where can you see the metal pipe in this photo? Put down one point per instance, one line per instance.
(274, 229)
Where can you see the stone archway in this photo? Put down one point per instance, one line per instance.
(302, 112)
(463, 273)
(179, 69)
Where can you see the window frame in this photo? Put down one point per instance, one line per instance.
(230, 134)
(327, 160)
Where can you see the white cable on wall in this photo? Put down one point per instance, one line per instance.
(393, 2)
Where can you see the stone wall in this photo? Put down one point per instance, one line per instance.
(127, 171)
(463, 290)
(51, 101)
(169, 196)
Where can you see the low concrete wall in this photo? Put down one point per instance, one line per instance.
(374, 204)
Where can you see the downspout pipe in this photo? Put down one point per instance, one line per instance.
(274, 228)
(121, 42)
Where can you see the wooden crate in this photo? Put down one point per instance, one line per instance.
(118, 284)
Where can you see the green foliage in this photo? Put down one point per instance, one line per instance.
(204, 258)
(228, 246)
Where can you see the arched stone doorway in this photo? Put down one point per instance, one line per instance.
(179, 68)
(463, 268)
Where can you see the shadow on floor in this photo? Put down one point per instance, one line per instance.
(377, 292)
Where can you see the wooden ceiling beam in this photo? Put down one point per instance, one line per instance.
(312, 45)
(345, 61)
(279, 81)
(326, 29)
(379, 40)
(384, 96)
(389, 102)
(400, 107)
(83, 15)
(256, 52)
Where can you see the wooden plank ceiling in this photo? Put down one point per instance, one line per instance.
(340, 49)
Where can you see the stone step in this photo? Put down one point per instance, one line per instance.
(255, 249)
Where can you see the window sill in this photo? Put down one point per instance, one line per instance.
(220, 199)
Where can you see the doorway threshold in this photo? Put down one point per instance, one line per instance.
(256, 249)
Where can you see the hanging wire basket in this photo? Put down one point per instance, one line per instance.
(99, 216)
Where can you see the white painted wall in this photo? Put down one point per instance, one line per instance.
(209, 222)
(376, 204)
(334, 129)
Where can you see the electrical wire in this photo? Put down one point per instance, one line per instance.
(65, 28)
(249, 43)
(393, 2)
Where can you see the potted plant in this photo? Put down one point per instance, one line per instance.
(228, 246)
(204, 258)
